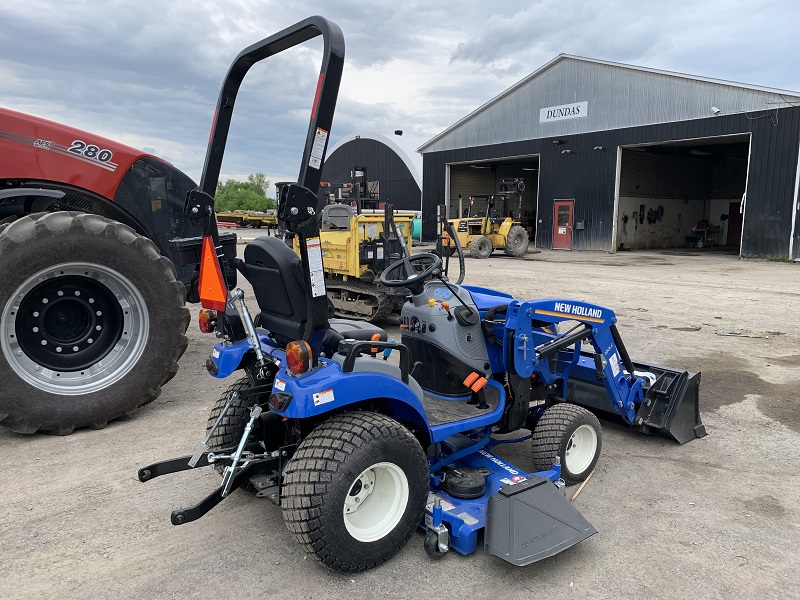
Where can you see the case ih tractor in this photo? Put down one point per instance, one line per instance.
(92, 315)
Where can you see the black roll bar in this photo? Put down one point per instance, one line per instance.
(200, 203)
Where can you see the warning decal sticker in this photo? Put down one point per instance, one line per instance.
(318, 148)
(315, 267)
(323, 397)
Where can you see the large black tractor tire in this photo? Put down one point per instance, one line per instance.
(480, 247)
(355, 490)
(572, 434)
(92, 322)
(516, 241)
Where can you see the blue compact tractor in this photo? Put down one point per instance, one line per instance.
(362, 440)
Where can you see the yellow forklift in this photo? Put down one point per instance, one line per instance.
(497, 226)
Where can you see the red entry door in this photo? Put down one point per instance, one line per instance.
(562, 224)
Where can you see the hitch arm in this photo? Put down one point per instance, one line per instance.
(187, 515)
(173, 465)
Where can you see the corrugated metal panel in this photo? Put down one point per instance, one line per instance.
(618, 96)
(588, 175)
(397, 183)
(467, 181)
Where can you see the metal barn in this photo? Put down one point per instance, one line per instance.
(619, 157)
(389, 169)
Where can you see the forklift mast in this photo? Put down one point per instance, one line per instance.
(515, 186)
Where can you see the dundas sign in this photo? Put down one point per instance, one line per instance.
(565, 111)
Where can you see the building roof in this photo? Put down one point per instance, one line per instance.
(618, 95)
(412, 168)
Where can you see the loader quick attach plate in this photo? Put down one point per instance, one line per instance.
(532, 520)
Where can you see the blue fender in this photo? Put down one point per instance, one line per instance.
(229, 358)
(327, 389)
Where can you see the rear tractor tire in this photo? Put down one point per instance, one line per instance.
(572, 434)
(230, 431)
(480, 247)
(92, 322)
(516, 241)
(355, 490)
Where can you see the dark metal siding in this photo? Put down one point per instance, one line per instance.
(588, 175)
(397, 184)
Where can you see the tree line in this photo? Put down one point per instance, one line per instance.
(252, 194)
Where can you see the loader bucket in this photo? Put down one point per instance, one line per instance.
(532, 520)
(671, 406)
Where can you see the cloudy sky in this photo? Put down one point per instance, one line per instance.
(147, 72)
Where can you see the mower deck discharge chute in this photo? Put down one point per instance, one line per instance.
(360, 452)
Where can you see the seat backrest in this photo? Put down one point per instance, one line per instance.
(276, 274)
(336, 216)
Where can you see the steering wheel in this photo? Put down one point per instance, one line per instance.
(406, 264)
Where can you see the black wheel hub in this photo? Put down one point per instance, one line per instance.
(69, 323)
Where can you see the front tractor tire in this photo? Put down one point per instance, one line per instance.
(355, 490)
(92, 322)
(572, 434)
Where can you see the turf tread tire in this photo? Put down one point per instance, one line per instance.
(41, 239)
(327, 461)
(552, 433)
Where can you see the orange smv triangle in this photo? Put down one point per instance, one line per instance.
(213, 290)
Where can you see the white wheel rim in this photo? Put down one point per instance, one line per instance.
(375, 502)
(581, 448)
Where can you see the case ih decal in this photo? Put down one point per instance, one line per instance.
(78, 149)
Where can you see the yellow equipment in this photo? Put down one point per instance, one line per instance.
(482, 231)
(355, 250)
(258, 219)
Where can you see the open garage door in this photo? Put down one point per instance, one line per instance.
(683, 194)
(483, 178)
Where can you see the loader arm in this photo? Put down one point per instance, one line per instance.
(588, 364)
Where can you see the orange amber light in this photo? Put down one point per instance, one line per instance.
(298, 356)
(208, 320)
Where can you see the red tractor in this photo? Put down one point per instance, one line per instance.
(92, 300)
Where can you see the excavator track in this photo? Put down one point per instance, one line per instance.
(357, 300)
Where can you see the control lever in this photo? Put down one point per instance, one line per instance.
(236, 300)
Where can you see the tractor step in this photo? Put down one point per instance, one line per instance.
(531, 521)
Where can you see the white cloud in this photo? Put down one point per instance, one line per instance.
(148, 73)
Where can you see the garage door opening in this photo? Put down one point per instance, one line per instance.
(683, 194)
(480, 179)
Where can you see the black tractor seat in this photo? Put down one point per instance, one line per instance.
(276, 273)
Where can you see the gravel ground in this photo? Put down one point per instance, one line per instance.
(718, 517)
